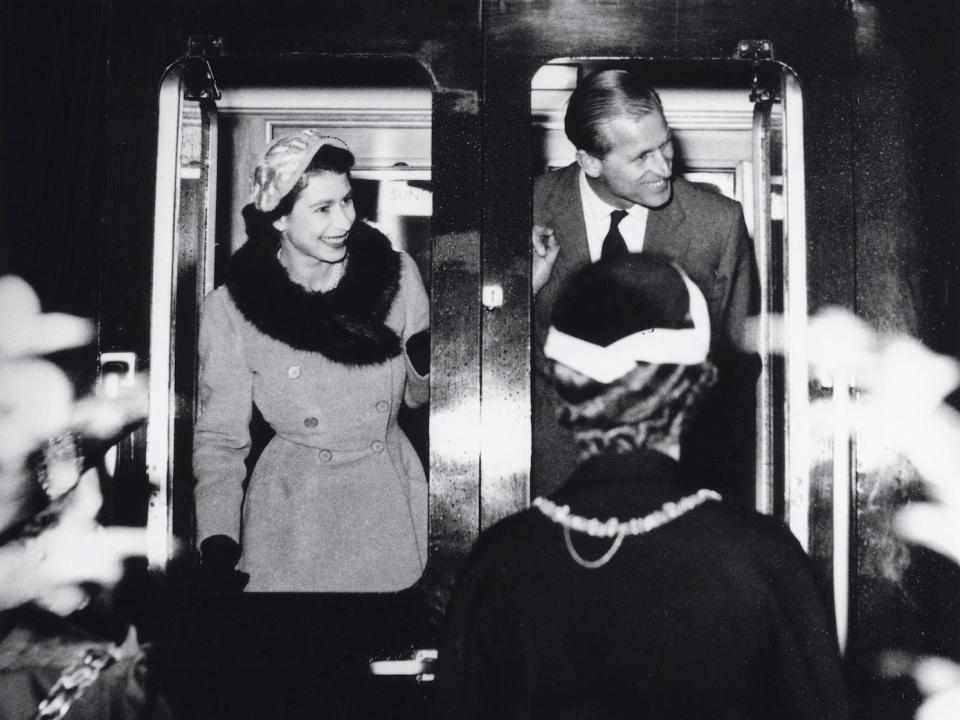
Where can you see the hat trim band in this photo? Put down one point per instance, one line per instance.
(663, 346)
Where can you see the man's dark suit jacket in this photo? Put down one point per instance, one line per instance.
(700, 230)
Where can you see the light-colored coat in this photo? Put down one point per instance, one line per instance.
(338, 499)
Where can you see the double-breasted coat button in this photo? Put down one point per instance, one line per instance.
(383, 406)
(311, 422)
(377, 446)
(293, 372)
(325, 455)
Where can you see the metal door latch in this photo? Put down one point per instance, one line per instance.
(492, 296)
(117, 370)
(420, 666)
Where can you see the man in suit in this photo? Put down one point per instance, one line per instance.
(620, 197)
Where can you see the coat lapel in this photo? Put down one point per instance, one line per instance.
(666, 231)
(564, 213)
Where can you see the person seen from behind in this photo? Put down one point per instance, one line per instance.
(634, 591)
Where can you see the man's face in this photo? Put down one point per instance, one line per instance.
(638, 167)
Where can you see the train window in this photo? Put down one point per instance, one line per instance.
(752, 153)
(208, 150)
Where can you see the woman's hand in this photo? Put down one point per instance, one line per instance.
(418, 351)
(219, 556)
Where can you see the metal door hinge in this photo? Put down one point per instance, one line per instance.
(765, 86)
(198, 80)
(204, 45)
(754, 50)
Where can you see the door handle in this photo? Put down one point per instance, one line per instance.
(421, 665)
(117, 370)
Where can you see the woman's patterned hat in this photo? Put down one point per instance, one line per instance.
(284, 163)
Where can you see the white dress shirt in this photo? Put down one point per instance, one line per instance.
(596, 215)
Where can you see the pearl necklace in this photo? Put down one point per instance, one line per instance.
(336, 275)
(614, 528)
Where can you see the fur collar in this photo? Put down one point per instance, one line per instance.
(345, 325)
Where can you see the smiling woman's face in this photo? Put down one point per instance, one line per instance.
(321, 218)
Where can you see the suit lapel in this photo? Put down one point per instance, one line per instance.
(666, 232)
(565, 214)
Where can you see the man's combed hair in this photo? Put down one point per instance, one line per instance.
(601, 97)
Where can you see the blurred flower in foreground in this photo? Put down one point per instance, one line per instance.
(900, 386)
(59, 551)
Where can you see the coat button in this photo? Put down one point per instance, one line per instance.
(377, 446)
(325, 455)
(311, 422)
(293, 372)
(383, 406)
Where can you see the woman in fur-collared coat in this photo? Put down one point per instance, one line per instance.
(322, 326)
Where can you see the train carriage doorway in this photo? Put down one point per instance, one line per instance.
(740, 146)
(207, 152)
(751, 151)
(207, 149)
(738, 127)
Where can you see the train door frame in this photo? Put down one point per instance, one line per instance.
(738, 154)
(455, 396)
(816, 470)
(500, 329)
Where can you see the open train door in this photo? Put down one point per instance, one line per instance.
(737, 128)
(217, 116)
(184, 230)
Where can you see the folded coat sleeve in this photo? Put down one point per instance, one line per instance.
(416, 318)
(221, 438)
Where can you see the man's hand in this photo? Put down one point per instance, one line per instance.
(545, 252)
